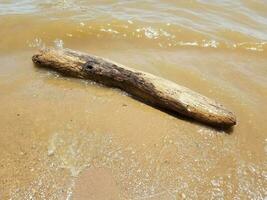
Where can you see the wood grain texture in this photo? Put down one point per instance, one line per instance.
(147, 87)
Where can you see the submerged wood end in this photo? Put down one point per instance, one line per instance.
(147, 87)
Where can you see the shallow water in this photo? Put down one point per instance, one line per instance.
(64, 138)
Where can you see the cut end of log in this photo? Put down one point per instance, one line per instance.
(147, 87)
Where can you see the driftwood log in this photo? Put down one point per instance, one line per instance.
(147, 87)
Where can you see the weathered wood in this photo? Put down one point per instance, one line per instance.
(152, 89)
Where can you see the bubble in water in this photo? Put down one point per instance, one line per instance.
(59, 43)
(215, 183)
(151, 33)
(211, 43)
(37, 42)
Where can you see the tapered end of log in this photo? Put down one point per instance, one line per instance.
(147, 87)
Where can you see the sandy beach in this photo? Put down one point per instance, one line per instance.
(66, 138)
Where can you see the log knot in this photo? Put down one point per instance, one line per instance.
(89, 65)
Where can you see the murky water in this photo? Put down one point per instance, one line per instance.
(65, 138)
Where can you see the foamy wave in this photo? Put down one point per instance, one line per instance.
(163, 37)
(166, 36)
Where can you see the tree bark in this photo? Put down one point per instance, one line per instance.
(147, 87)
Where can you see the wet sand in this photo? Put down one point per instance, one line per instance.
(64, 138)
(59, 131)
